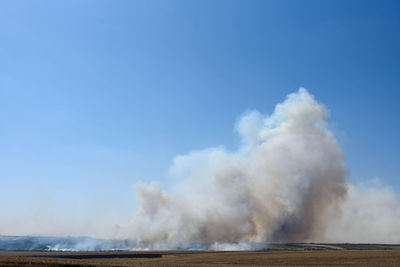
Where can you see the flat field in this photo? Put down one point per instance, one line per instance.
(343, 257)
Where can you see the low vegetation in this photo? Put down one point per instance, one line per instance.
(340, 257)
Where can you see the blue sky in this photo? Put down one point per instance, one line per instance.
(98, 95)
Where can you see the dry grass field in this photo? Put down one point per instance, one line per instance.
(205, 258)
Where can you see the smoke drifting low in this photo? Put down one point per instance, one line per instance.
(286, 183)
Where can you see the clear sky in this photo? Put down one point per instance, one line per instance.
(98, 95)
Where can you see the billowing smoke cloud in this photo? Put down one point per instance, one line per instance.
(286, 183)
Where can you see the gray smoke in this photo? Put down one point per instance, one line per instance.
(371, 214)
(285, 184)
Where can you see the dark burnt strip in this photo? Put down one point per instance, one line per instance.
(100, 256)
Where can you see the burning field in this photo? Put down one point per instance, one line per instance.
(282, 255)
(286, 184)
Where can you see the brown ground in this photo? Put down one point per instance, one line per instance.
(205, 258)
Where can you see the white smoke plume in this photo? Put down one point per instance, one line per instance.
(286, 183)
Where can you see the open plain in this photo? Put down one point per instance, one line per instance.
(287, 255)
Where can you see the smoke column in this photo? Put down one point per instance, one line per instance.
(286, 183)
